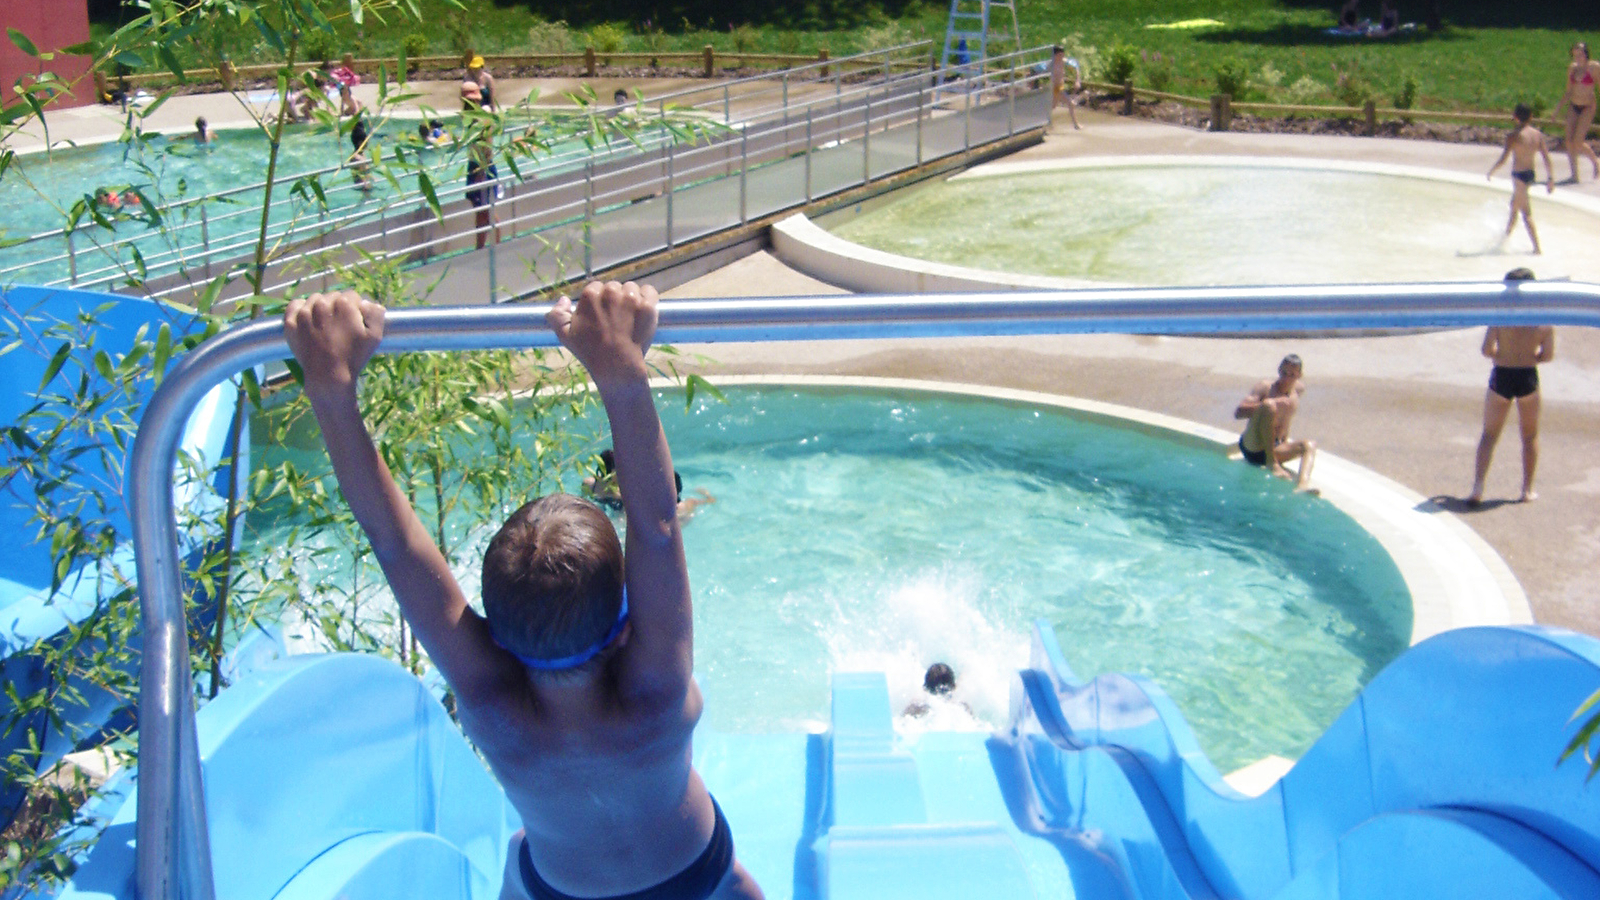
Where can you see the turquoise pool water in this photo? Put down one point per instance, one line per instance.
(1185, 224)
(886, 531)
(38, 190)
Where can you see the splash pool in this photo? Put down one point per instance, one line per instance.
(1221, 221)
(869, 530)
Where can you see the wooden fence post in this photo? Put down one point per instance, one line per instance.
(822, 56)
(710, 60)
(1221, 112)
(588, 61)
(1371, 110)
(1127, 97)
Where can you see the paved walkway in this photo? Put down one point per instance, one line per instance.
(1408, 407)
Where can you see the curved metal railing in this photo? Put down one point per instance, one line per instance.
(173, 849)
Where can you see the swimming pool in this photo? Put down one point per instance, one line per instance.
(40, 189)
(1220, 221)
(868, 530)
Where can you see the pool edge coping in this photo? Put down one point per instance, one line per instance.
(1455, 578)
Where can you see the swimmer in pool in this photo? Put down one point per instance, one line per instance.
(601, 487)
(1270, 407)
(1521, 144)
(202, 134)
(1517, 350)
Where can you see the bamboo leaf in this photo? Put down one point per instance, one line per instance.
(426, 184)
(57, 360)
(170, 60)
(22, 42)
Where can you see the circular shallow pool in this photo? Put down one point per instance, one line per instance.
(877, 530)
(1244, 222)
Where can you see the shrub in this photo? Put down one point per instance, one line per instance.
(415, 45)
(889, 34)
(459, 24)
(551, 37)
(606, 38)
(1120, 63)
(1232, 78)
(1305, 91)
(1350, 86)
(1157, 71)
(1536, 102)
(1406, 96)
(1270, 75)
(745, 37)
(319, 46)
(1087, 55)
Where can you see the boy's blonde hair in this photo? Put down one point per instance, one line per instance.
(552, 578)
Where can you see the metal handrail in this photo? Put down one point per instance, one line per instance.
(826, 105)
(173, 853)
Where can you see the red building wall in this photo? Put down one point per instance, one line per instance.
(51, 25)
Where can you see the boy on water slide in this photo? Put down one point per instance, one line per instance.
(577, 682)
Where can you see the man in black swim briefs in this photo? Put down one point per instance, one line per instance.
(1269, 407)
(1516, 350)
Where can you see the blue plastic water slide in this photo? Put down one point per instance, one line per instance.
(340, 776)
(30, 613)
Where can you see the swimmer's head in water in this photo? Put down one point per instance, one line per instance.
(940, 680)
(620, 97)
(1520, 274)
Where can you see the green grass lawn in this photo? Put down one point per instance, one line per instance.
(1490, 55)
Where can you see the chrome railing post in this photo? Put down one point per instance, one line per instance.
(966, 120)
(744, 174)
(810, 146)
(671, 162)
(727, 108)
(588, 218)
(72, 261)
(866, 138)
(493, 239)
(920, 99)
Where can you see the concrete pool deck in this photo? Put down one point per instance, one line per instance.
(1408, 407)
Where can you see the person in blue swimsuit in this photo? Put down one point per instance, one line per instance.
(1517, 350)
(1270, 407)
(577, 682)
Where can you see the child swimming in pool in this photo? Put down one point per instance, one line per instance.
(577, 683)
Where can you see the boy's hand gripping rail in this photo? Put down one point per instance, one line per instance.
(173, 850)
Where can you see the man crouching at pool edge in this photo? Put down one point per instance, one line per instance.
(1270, 406)
(577, 683)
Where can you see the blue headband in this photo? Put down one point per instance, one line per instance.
(581, 657)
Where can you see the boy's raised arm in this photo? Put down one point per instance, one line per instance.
(333, 336)
(609, 329)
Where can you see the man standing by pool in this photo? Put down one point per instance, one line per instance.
(1517, 351)
(1269, 407)
(1523, 142)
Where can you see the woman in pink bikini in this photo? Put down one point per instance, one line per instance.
(1577, 104)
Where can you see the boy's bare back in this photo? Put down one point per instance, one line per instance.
(595, 757)
(1525, 144)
